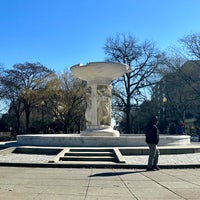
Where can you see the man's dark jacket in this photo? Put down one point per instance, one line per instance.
(152, 135)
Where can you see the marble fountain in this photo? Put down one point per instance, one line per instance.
(99, 132)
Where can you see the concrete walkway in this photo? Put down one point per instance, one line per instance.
(179, 178)
(98, 184)
(167, 161)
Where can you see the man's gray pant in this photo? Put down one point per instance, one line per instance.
(153, 156)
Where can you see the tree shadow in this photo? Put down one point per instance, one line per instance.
(106, 174)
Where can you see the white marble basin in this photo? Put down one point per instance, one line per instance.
(75, 140)
(99, 71)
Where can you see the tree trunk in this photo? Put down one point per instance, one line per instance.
(18, 123)
(128, 111)
(27, 122)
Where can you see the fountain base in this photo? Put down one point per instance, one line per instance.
(75, 140)
(100, 132)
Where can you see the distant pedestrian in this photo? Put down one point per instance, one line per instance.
(179, 129)
(172, 128)
(152, 139)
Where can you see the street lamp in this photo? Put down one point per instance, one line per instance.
(164, 100)
(42, 104)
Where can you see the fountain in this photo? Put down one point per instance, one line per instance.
(99, 132)
(99, 76)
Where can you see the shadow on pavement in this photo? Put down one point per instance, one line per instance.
(115, 173)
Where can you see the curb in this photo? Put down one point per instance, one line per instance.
(83, 165)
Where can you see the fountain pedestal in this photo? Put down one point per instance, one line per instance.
(99, 92)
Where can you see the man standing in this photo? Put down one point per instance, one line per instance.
(152, 139)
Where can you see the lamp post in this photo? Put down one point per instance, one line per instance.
(164, 100)
(42, 104)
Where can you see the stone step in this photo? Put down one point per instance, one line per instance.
(88, 158)
(102, 164)
(90, 150)
(88, 153)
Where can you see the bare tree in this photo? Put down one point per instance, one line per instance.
(22, 85)
(143, 59)
(67, 103)
(181, 86)
(2, 100)
(192, 44)
(10, 90)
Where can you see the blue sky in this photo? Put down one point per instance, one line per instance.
(62, 33)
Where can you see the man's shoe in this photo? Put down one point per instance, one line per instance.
(151, 169)
(156, 168)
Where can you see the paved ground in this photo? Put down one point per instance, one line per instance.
(174, 159)
(21, 183)
(188, 159)
(98, 184)
(167, 160)
(35, 183)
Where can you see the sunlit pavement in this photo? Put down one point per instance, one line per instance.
(20, 183)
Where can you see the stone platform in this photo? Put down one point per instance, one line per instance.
(75, 140)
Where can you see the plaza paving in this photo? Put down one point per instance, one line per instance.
(179, 178)
(134, 161)
(19, 183)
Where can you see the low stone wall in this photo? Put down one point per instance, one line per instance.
(5, 134)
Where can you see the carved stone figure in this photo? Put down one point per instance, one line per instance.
(88, 113)
(104, 105)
